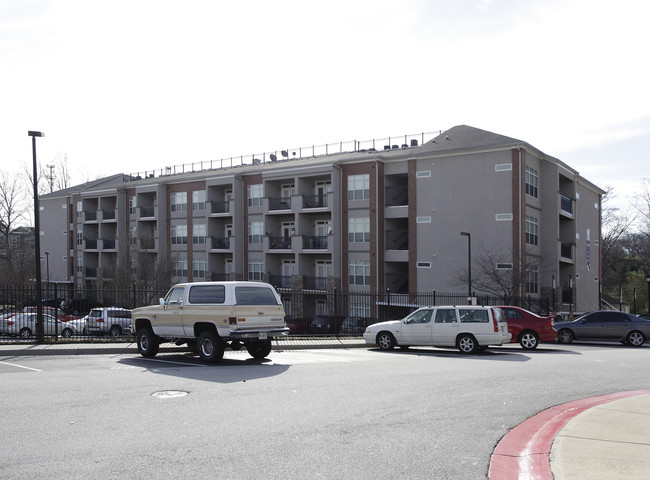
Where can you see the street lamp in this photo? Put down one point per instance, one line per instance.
(37, 243)
(647, 279)
(469, 262)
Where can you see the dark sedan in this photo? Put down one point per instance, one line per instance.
(605, 325)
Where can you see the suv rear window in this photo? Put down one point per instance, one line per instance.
(255, 296)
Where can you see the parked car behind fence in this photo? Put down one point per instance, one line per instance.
(115, 321)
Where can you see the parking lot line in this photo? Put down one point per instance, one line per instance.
(21, 366)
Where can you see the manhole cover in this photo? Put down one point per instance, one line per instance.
(169, 394)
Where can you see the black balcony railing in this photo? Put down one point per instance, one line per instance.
(315, 283)
(220, 207)
(317, 242)
(108, 244)
(147, 244)
(566, 205)
(280, 203)
(220, 243)
(108, 214)
(314, 201)
(90, 215)
(280, 243)
(91, 244)
(147, 212)
(566, 250)
(396, 196)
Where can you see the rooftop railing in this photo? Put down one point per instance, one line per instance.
(287, 154)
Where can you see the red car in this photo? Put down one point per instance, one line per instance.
(527, 328)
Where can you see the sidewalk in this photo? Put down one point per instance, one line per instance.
(602, 437)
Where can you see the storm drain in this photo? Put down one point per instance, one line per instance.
(169, 394)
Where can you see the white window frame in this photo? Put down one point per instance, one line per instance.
(255, 232)
(359, 187)
(179, 234)
(178, 201)
(359, 229)
(359, 272)
(255, 194)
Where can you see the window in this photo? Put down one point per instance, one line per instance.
(179, 234)
(80, 265)
(255, 232)
(446, 315)
(531, 231)
(79, 209)
(178, 201)
(255, 269)
(253, 295)
(359, 187)
(207, 294)
(359, 229)
(132, 204)
(255, 193)
(359, 273)
(199, 267)
(420, 316)
(531, 182)
(359, 310)
(133, 235)
(198, 200)
(531, 280)
(80, 237)
(468, 315)
(179, 267)
(198, 233)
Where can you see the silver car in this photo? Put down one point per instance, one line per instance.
(115, 321)
(24, 325)
(605, 325)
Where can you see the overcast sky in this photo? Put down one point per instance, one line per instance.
(134, 85)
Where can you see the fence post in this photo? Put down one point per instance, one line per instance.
(134, 305)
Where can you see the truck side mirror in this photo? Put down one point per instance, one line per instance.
(161, 301)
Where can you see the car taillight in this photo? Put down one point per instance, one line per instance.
(100, 320)
(232, 320)
(496, 325)
(10, 323)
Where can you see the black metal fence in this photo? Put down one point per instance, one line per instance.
(309, 312)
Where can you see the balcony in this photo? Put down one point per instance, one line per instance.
(147, 212)
(90, 272)
(220, 243)
(566, 206)
(280, 203)
(397, 239)
(147, 243)
(280, 281)
(90, 216)
(567, 252)
(314, 201)
(90, 244)
(219, 207)
(280, 243)
(315, 283)
(315, 242)
(396, 196)
(108, 244)
(108, 214)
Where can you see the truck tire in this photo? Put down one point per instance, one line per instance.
(147, 342)
(211, 346)
(259, 349)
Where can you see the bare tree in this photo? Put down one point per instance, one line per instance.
(17, 267)
(150, 274)
(61, 174)
(642, 205)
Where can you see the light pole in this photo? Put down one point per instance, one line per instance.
(47, 268)
(37, 243)
(647, 279)
(469, 262)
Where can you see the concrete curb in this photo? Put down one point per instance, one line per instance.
(130, 348)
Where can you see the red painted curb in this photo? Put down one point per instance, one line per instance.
(523, 452)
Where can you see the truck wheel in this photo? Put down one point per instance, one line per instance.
(115, 331)
(211, 346)
(259, 349)
(147, 342)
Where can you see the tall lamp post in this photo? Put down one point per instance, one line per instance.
(469, 262)
(647, 279)
(37, 243)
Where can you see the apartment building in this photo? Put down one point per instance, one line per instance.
(369, 219)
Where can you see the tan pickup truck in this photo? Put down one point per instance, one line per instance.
(209, 316)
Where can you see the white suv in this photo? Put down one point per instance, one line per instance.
(115, 321)
(470, 329)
